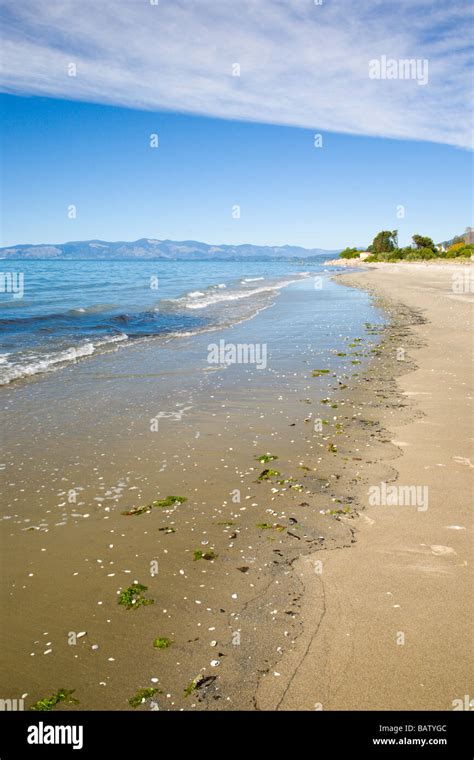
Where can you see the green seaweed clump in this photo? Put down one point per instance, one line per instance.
(267, 474)
(265, 458)
(319, 372)
(142, 696)
(132, 597)
(193, 685)
(137, 511)
(344, 511)
(162, 643)
(48, 703)
(332, 448)
(169, 501)
(210, 554)
(198, 683)
(267, 526)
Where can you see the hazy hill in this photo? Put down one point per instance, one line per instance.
(156, 249)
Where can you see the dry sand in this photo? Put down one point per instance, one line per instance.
(408, 577)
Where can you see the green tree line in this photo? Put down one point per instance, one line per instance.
(384, 247)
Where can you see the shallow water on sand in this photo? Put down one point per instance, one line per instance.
(67, 310)
(120, 429)
(91, 411)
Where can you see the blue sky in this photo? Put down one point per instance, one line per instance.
(228, 140)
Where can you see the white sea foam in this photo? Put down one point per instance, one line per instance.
(212, 298)
(36, 364)
(112, 339)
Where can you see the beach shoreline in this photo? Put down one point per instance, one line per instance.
(389, 622)
(265, 622)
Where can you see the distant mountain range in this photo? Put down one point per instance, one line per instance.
(185, 250)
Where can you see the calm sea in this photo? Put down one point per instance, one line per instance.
(53, 313)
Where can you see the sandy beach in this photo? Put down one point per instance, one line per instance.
(279, 591)
(388, 624)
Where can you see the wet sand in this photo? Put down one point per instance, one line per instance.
(388, 624)
(87, 430)
(297, 609)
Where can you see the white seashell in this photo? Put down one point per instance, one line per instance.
(81, 634)
(215, 663)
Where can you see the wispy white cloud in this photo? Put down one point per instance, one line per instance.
(302, 64)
